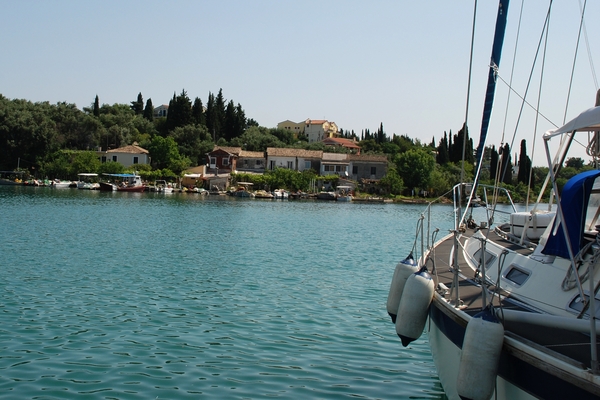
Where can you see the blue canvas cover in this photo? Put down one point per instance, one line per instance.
(574, 203)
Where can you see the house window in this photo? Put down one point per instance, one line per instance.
(213, 161)
(258, 163)
(290, 164)
(135, 160)
(355, 170)
(115, 158)
(373, 170)
(225, 160)
(103, 159)
(306, 164)
(272, 164)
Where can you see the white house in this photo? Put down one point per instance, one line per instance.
(126, 155)
(295, 159)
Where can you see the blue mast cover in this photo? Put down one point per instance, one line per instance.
(491, 84)
(574, 202)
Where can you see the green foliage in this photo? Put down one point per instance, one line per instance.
(415, 167)
(575, 162)
(392, 183)
(85, 161)
(111, 167)
(257, 139)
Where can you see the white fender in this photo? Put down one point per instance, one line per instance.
(404, 269)
(414, 306)
(480, 356)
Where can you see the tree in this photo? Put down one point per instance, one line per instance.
(442, 150)
(414, 167)
(505, 165)
(198, 116)
(524, 164)
(493, 162)
(149, 110)
(574, 162)
(96, 109)
(138, 105)
(392, 182)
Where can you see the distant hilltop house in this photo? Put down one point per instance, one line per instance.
(161, 111)
(126, 155)
(315, 129)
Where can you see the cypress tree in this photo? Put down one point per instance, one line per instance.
(149, 110)
(198, 116)
(493, 162)
(138, 105)
(524, 164)
(96, 110)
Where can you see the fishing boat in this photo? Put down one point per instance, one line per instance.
(511, 309)
(131, 183)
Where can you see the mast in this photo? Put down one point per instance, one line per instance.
(491, 84)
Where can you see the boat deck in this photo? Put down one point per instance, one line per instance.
(569, 346)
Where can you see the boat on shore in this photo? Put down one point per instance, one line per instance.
(511, 309)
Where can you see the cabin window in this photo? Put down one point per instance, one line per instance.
(135, 160)
(225, 160)
(213, 160)
(489, 258)
(115, 158)
(517, 275)
(576, 305)
(306, 164)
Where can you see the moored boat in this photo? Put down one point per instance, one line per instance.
(514, 305)
(88, 180)
(343, 193)
(131, 183)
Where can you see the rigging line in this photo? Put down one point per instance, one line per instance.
(462, 170)
(587, 45)
(510, 88)
(582, 10)
(535, 125)
(544, 33)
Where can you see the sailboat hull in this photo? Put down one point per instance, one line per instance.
(524, 371)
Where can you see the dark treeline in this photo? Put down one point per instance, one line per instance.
(60, 140)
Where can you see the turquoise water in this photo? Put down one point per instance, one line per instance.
(153, 296)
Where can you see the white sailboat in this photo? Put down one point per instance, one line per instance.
(511, 310)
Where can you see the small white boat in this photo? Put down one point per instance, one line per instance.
(88, 180)
(343, 193)
(162, 186)
(280, 194)
(58, 184)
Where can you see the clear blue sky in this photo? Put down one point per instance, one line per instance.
(357, 63)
